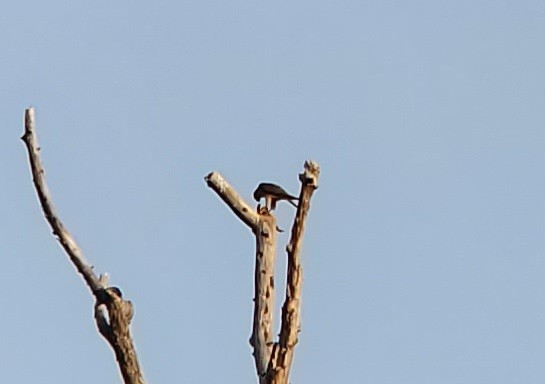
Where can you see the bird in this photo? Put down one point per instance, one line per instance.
(273, 193)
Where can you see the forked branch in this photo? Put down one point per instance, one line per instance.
(273, 359)
(113, 314)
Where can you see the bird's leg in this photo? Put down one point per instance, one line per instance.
(292, 203)
(262, 210)
(269, 202)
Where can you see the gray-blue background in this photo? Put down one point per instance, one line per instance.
(424, 254)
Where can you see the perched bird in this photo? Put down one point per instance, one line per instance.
(273, 193)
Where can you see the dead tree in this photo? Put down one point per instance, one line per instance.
(113, 313)
(273, 358)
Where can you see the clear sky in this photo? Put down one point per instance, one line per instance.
(424, 256)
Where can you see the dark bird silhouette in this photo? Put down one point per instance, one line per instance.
(273, 193)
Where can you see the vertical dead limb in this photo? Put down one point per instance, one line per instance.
(113, 314)
(273, 359)
(262, 330)
(291, 310)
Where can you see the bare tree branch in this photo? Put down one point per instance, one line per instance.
(112, 314)
(273, 359)
(264, 228)
(120, 313)
(262, 332)
(233, 199)
(291, 310)
(38, 177)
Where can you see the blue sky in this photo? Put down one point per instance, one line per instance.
(424, 256)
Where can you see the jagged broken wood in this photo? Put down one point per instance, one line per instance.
(273, 358)
(113, 314)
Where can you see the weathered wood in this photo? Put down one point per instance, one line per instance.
(273, 359)
(120, 314)
(112, 314)
(38, 177)
(237, 204)
(291, 310)
(264, 228)
(262, 330)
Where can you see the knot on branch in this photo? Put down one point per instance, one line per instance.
(111, 311)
